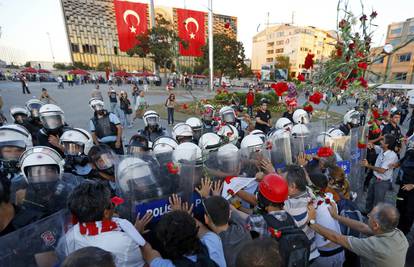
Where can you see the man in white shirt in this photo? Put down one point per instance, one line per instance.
(383, 171)
(91, 205)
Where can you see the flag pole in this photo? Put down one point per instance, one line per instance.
(152, 26)
(210, 43)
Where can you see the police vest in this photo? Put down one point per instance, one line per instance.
(104, 127)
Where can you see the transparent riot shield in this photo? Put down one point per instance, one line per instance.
(358, 151)
(35, 244)
(145, 181)
(224, 162)
(251, 159)
(280, 148)
(301, 140)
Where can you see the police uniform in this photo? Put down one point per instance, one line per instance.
(152, 136)
(106, 130)
(42, 138)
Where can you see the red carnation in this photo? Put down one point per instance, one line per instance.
(117, 200)
(363, 18)
(301, 77)
(327, 201)
(228, 179)
(172, 168)
(230, 192)
(316, 97)
(280, 88)
(291, 101)
(362, 65)
(362, 145)
(308, 108)
(227, 25)
(375, 114)
(373, 15)
(184, 106)
(325, 152)
(351, 46)
(343, 23)
(339, 52)
(363, 82)
(319, 202)
(309, 61)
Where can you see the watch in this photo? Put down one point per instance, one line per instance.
(311, 222)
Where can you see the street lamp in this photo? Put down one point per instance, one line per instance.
(51, 48)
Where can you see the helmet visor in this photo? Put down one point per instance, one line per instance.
(34, 109)
(229, 117)
(152, 121)
(354, 120)
(10, 152)
(136, 150)
(208, 114)
(72, 148)
(98, 107)
(42, 173)
(52, 122)
(105, 161)
(19, 117)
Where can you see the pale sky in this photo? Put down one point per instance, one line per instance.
(25, 23)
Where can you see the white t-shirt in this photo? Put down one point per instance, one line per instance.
(324, 218)
(125, 250)
(384, 160)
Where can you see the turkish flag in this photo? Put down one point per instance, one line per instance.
(131, 20)
(191, 28)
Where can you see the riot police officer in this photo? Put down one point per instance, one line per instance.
(152, 129)
(351, 120)
(33, 121)
(207, 119)
(14, 140)
(105, 127)
(53, 123)
(197, 127)
(77, 143)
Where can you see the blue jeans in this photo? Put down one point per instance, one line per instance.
(170, 112)
(250, 110)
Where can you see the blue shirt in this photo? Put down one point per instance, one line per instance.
(107, 139)
(214, 247)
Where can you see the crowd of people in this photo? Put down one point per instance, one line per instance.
(220, 189)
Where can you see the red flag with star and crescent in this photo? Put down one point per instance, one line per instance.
(191, 28)
(131, 20)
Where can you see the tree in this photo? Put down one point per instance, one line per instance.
(228, 56)
(81, 65)
(103, 66)
(27, 64)
(60, 66)
(160, 44)
(282, 62)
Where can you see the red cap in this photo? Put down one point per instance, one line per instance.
(274, 188)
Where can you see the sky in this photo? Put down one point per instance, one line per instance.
(25, 23)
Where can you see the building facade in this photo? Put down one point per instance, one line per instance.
(398, 68)
(292, 41)
(93, 38)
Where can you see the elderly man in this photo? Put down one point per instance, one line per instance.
(386, 245)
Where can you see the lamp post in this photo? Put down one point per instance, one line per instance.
(51, 48)
(210, 43)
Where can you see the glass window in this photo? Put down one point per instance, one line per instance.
(379, 61)
(404, 57)
(280, 50)
(400, 76)
(74, 48)
(115, 50)
(412, 29)
(395, 42)
(396, 31)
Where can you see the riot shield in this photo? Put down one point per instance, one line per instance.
(145, 181)
(251, 158)
(280, 152)
(224, 162)
(358, 152)
(301, 139)
(34, 245)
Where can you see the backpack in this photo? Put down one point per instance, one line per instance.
(349, 209)
(203, 260)
(294, 245)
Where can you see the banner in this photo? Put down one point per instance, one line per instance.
(191, 28)
(131, 20)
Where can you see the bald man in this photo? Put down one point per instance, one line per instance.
(385, 245)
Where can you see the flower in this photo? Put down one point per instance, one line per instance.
(343, 23)
(362, 145)
(319, 202)
(184, 106)
(291, 101)
(280, 88)
(363, 82)
(373, 15)
(362, 65)
(327, 201)
(275, 233)
(339, 52)
(351, 46)
(325, 152)
(309, 61)
(316, 97)
(225, 91)
(230, 192)
(342, 83)
(301, 77)
(227, 25)
(117, 200)
(228, 179)
(308, 108)
(375, 114)
(363, 18)
(172, 168)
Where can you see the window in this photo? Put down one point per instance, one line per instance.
(115, 50)
(404, 57)
(400, 76)
(269, 59)
(395, 42)
(269, 52)
(74, 48)
(280, 34)
(396, 31)
(280, 42)
(93, 49)
(85, 48)
(280, 50)
(379, 61)
(412, 29)
(270, 44)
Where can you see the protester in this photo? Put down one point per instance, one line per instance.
(113, 101)
(46, 98)
(25, 86)
(126, 109)
(135, 94)
(393, 129)
(89, 257)
(90, 204)
(386, 245)
(141, 105)
(263, 117)
(96, 93)
(170, 104)
(260, 253)
(250, 102)
(383, 171)
(338, 184)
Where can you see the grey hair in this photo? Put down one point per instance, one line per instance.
(387, 216)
